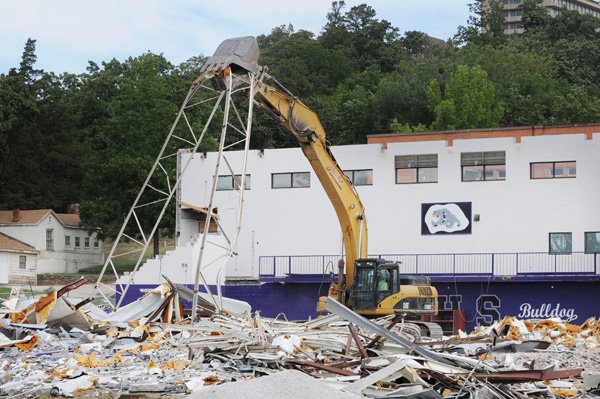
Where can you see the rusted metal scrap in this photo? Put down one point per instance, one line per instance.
(515, 376)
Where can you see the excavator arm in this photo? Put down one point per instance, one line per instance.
(240, 56)
(377, 290)
(305, 125)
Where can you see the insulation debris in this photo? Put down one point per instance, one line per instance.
(59, 345)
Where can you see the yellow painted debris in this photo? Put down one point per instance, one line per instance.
(91, 361)
(27, 346)
(175, 364)
(43, 307)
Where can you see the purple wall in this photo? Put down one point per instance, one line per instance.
(483, 302)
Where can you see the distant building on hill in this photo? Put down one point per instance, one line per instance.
(513, 13)
(63, 247)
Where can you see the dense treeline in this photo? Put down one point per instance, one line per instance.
(91, 138)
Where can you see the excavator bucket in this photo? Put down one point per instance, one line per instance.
(240, 52)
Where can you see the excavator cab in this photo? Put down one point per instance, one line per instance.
(379, 290)
(376, 279)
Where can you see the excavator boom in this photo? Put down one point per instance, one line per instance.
(378, 289)
(240, 56)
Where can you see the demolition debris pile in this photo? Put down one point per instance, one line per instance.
(63, 346)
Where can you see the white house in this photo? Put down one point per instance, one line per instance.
(18, 261)
(63, 246)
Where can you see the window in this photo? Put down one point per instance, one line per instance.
(22, 262)
(561, 243)
(416, 168)
(290, 180)
(513, 13)
(49, 240)
(553, 170)
(96, 242)
(67, 241)
(226, 182)
(479, 166)
(592, 242)
(77, 242)
(362, 177)
(86, 242)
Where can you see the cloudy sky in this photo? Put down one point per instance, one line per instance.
(71, 32)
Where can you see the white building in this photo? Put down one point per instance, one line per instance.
(504, 221)
(18, 261)
(63, 246)
(528, 191)
(513, 11)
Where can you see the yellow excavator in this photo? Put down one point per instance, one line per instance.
(370, 286)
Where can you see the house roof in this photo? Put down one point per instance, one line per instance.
(69, 219)
(34, 216)
(10, 244)
(26, 217)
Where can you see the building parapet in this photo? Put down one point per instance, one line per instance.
(500, 132)
(445, 267)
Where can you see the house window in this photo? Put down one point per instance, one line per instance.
(479, 166)
(67, 241)
(22, 262)
(49, 240)
(96, 242)
(592, 242)
(553, 170)
(290, 180)
(77, 242)
(227, 182)
(363, 177)
(416, 168)
(86, 242)
(561, 243)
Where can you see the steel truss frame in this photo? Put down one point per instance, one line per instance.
(139, 232)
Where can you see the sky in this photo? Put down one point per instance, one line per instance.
(69, 33)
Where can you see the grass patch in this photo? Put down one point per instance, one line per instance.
(121, 265)
(126, 263)
(5, 292)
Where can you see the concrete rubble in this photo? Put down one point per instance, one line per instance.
(58, 345)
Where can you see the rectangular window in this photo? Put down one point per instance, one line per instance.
(290, 180)
(228, 183)
(86, 242)
(416, 168)
(480, 166)
(67, 241)
(553, 170)
(49, 240)
(22, 262)
(363, 177)
(77, 242)
(561, 243)
(96, 242)
(592, 242)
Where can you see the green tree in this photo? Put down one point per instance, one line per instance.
(131, 106)
(360, 35)
(524, 81)
(39, 143)
(467, 101)
(535, 16)
(576, 106)
(485, 24)
(398, 127)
